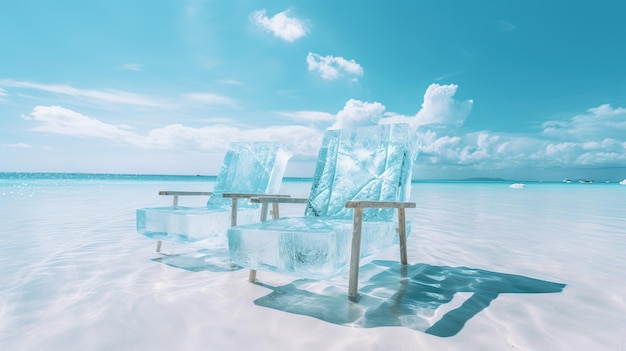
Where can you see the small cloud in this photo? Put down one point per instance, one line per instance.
(330, 67)
(229, 81)
(446, 76)
(102, 96)
(3, 93)
(281, 25)
(18, 145)
(506, 26)
(132, 66)
(308, 116)
(357, 113)
(211, 99)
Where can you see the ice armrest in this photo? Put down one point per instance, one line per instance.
(275, 200)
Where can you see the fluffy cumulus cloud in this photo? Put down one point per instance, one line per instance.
(358, 113)
(439, 108)
(331, 67)
(596, 138)
(281, 25)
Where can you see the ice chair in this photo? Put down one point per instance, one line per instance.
(362, 176)
(249, 169)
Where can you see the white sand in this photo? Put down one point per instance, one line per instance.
(76, 276)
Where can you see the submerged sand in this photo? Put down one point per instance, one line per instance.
(491, 268)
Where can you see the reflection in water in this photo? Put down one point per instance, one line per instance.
(410, 296)
(214, 260)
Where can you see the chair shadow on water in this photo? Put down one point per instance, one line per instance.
(414, 296)
(213, 260)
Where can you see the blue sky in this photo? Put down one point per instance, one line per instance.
(532, 90)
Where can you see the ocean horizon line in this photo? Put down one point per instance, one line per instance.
(193, 177)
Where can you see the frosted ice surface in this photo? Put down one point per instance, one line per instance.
(190, 224)
(369, 163)
(311, 247)
(249, 167)
(253, 168)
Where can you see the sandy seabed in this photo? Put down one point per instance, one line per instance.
(490, 268)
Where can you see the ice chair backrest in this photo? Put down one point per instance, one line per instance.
(367, 163)
(251, 168)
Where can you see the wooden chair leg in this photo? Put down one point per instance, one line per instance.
(275, 213)
(402, 235)
(264, 210)
(252, 275)
(355, 254)
(233, 212)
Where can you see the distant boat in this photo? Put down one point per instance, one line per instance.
(623, 182)
(567, 180)
(587, 181)
(517, 185)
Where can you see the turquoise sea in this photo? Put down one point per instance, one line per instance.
(490, 268)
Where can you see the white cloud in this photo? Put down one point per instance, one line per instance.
(440, 107)
(492, 151)
(331, 67)
(596, 138)
(59, 120)
(211, 99)
(18, 145)
(308, 116)
(358, 113)
(230, 81)
(132, 66)
(281, 25)
(599, 122)
(304, 141)
(448, 75)
(101, 96)
(3, 93)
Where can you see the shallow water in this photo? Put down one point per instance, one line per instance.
(490, 268)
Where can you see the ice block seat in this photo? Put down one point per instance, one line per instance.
(355, 209)
(249, 169)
